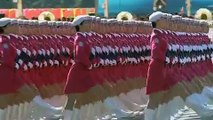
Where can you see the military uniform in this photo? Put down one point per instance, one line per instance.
(159, 48)
(8, 89)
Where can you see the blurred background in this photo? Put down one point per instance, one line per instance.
(121, 9)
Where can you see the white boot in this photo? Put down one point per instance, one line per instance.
(135, 97)
(43, 109)
(57, 100)
(90, 112)
(83, 112)
(162, 113)
(208, 92)
(98, 110)
(75, 114)
(175, 105)
(144, 97)
(150, 114)
(103, 111)
(27, 110)
(128, 102)
(2, 114)
(20, 111)
(14, 114)
(8, 113)
(116, 107)
(200, 104)
(67, 115)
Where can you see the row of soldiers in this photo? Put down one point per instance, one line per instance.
(101, 25)
(37, 55)
(167, 22)
(35, 27)
(43, 47)
(31, 62)
(180, 66)
(188, 37)
(95, 24)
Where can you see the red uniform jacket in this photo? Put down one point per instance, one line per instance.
(7, 68)
(155, 77)
(79, 79)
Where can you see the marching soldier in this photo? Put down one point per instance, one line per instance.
(82, 91)
(13, 41)
(154, 86)
(8, 53)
